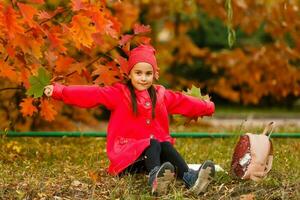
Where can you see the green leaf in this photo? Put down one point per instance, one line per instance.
(196, 92)
(38, 83)
(231, 32)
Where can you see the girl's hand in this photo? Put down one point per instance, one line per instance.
(48, 90)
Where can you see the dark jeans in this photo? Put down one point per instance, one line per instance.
(156, 154)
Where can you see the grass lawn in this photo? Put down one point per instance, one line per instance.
(75, 168)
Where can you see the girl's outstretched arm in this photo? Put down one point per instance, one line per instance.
(178, 103)
(83, 96)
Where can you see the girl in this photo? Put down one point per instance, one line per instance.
(138, 132)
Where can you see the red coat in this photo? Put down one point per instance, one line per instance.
(128, 135)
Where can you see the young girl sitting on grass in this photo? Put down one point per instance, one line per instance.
(138, 134)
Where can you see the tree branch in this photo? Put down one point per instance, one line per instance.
(13, 5)
(89, 64)
(3, 41)
(10, 88)
(46, 20)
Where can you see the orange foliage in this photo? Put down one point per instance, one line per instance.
(76, 44)
(27, 109)
(47, 110)
(245, 74)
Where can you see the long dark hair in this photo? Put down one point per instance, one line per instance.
(152, 94)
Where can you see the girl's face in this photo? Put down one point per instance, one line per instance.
(141, 76)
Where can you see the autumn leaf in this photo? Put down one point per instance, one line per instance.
(94, 176)
(37, 1)
(126, 48)
(43, 15)
(28, 12)
(8, 72)
(249, 196)
(35, 48)
(114, 28)
(85, 29)
(98, 38)
(10, 23)
(99, 19)
(82, 31)
(24, 77)
(78, 67)
(107, 75)
(38, 83)
(1, 17)
(77, 5)
(144, 40)
(123, 64)
(63, 63)
(28, 45)
(196, 92)
(27, 108)
(11, 51)
(127, 13)
(47, 110)
(140, 29)
(124, 39)
(56, 41)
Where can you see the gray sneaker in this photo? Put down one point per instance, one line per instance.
(161, 177)
(197, 181)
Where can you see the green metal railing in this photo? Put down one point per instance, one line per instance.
(103, 134)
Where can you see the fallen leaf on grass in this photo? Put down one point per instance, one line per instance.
(249, 196)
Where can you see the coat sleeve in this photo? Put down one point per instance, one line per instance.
(178, 103)
(86, 96)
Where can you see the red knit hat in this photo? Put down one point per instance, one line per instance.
(142, 53)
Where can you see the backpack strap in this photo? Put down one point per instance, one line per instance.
(270, 159)
(268, 129)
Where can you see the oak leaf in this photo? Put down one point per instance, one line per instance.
(27, 108)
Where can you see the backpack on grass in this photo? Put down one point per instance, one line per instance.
(253, 155)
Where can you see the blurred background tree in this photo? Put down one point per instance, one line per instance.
(79, 42)
(262, 68)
